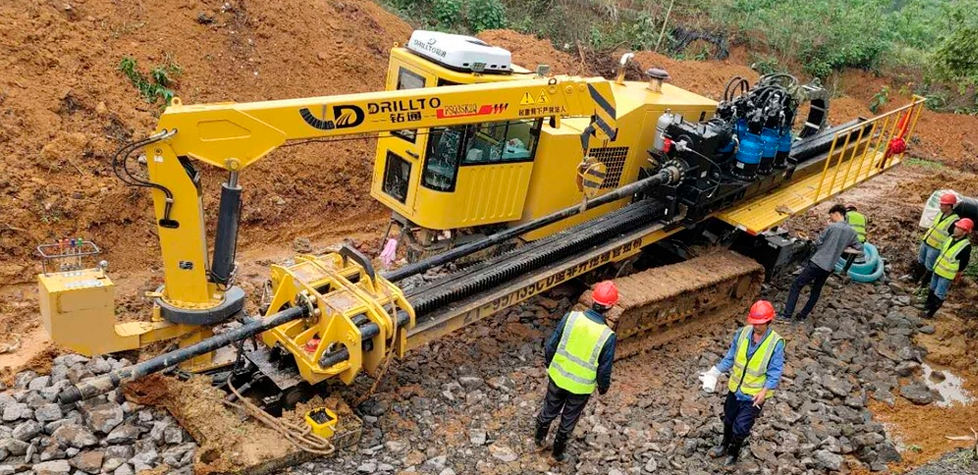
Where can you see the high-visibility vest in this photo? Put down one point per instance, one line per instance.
(575, 364)
(937, 233)
(749, 376)
(857, 222)
(947, 264)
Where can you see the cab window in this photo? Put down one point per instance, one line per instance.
(490, 142)
(487, 143)
(441, 161)
(407, 79)
(397, 173)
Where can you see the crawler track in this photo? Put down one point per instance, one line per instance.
(665, 303)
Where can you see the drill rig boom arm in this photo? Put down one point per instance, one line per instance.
(244, 133)
(234, 136)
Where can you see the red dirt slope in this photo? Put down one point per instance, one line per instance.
(66, 109)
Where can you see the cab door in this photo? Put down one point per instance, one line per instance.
(398, 162)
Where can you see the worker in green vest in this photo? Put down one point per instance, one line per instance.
(857, 221)
(952, 260)
(933, 240)
(579, 355)
(755, 361)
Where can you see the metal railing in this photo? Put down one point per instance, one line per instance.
(867, 153)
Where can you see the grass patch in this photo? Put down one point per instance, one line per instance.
(922, 163)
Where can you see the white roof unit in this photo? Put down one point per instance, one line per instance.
(459, 52)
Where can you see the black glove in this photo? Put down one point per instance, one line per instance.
(601, 391)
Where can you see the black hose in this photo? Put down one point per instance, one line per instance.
(134, 181)
(102, 384)
(726, 90)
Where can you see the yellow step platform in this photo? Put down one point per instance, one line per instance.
(848, 165)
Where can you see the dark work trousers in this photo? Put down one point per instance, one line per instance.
(812, 274)
(567, 405)
(849, 260)
(740, 416)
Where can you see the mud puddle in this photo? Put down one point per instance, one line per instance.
(949, 385)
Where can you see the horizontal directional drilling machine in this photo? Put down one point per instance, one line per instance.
(515, 180)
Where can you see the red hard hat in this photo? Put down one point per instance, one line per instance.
(605, 293)
(966, 224)
(761, 312)
(948, 199)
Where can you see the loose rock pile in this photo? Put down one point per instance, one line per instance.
(466, 404)
(106, 434)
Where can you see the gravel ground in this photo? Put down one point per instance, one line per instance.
(466, 404)
(106, 434)
(962, 462)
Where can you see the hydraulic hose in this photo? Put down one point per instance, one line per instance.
(870, 270)
(871, 277)
(102, 384)
(863, 265)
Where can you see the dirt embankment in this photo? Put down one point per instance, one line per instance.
(66, 109)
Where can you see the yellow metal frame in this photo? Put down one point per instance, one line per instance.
(324, 429)
(849, 163)
(78, 312)
(336, 290)
(233, 136)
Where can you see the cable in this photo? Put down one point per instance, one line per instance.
(387, 360)
(300, 438)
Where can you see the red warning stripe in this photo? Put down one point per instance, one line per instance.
(488, 109)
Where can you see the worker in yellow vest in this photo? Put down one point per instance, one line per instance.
(579, 356)
(933, 240)
(858, 222)
(952, 260)
(755, 361)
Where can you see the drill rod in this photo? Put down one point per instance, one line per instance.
(102, 384)
(666, 176)
(367, 332)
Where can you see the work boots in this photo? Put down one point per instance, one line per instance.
(560, 447)
(540, 437)
(733, 453)
(718, 451)
(933, 305)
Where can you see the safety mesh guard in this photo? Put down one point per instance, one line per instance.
(614, 159)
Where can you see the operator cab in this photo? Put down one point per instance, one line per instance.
(449, 178)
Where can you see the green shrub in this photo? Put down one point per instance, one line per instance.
(765, 64)
(447, 12)
(956, 59)
(642, 31)
(879, 99)
(158, 86)
(486, 15)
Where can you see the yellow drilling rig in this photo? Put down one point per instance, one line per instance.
(546, 178)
